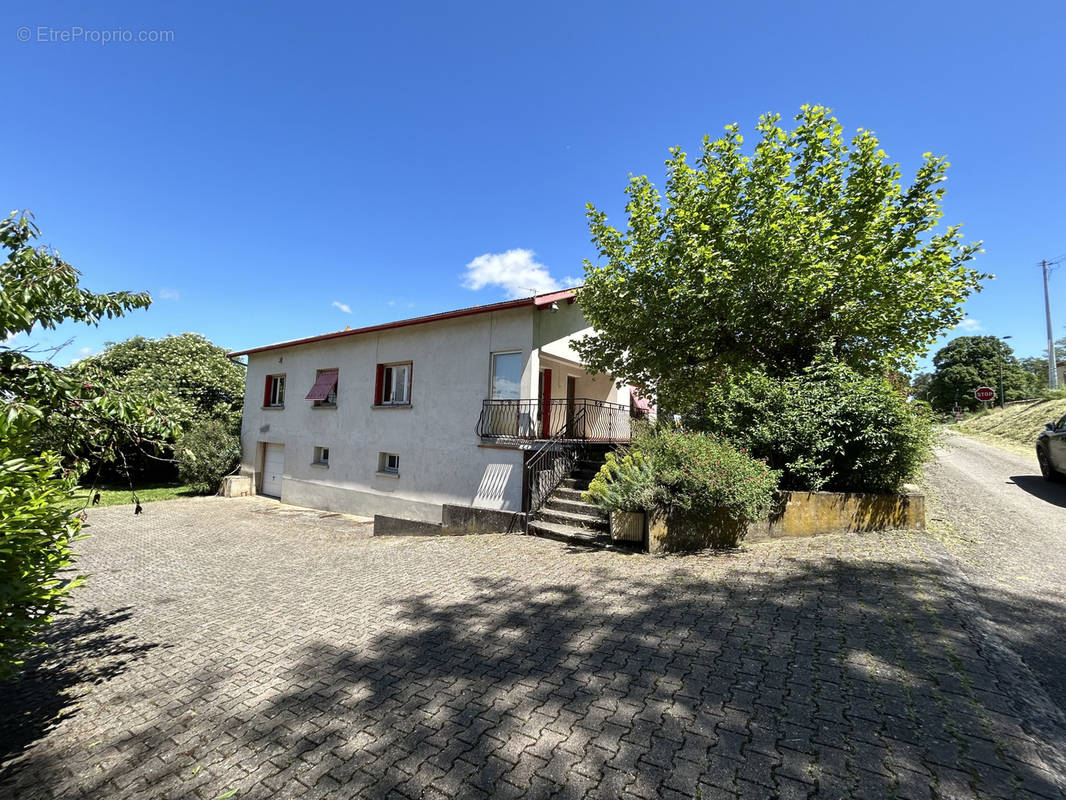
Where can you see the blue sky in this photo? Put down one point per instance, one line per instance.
(274, 165)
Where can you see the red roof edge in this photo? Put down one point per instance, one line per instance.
(545, 300)
(539, 302)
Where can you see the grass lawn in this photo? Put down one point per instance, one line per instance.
(111, 495)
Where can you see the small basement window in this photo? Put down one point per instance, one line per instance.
(321, 457)
(389, 463)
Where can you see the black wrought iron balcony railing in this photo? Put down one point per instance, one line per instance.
(580, 418)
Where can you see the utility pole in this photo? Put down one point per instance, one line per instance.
(1052, 366)
(1002, 357)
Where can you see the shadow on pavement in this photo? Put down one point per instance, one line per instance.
(812, 678)
(1048, 491)
(79, 650)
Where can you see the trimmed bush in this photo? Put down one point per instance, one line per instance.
(693, 476)
(207, 453)
(829, 428)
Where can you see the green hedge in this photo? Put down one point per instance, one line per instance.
(206, 454)
(828, 428)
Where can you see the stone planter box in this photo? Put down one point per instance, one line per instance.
(237, 486)
(627, 526)
(794, 514)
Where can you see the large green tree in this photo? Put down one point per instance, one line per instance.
(38, 288)
(969, 362)
(195, 376)
(756, 260)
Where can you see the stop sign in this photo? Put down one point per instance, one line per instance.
(984, 394)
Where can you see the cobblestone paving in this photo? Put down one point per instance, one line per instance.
(218, 652)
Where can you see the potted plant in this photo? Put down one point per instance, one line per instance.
(623, 488)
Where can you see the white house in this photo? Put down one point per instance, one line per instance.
(404, 418)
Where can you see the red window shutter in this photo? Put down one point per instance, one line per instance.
(266, 391)
(379, 384)
(323, 385)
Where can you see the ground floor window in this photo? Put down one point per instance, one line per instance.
(389, 463)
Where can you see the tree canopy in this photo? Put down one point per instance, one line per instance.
(196, 379)
(969, 362)
(758, 261)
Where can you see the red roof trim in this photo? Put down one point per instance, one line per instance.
(540, 302)
(545, 300)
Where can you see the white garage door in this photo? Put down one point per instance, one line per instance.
(273, 468)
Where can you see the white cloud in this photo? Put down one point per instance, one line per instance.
(970, 325)
(168, 294)
(392, 302)
(515, 271)
(347, 309)
(83, 353)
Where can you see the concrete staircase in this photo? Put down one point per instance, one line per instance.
(565, 516)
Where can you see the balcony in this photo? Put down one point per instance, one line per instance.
(580, 419)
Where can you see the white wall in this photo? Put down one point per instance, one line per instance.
(441, 460)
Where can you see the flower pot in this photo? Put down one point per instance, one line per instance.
(627, 526)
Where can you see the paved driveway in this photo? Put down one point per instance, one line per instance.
(219, 650)
(1010, 539)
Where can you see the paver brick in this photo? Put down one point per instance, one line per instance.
(220, 644)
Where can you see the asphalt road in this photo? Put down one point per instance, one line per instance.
(1010, 538)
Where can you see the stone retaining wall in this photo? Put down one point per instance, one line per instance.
(795, 514)
(456, 521)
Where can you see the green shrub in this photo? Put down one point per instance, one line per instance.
(690, 475)
(206, 454)
(828, 428)
(36, 531)
(623, 484)
(704, 477)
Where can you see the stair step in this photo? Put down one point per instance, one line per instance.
(565, 533)
(586, 521)
(556, 503)
(562, 493)
(578, 484)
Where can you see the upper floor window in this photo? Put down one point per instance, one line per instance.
(324, 392)
(506, 376)
(274, 393)
(393, 386)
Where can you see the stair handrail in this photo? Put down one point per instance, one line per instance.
(541, 478)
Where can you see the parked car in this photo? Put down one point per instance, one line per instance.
(1051, 449)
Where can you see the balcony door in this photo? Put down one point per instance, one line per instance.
(545, 395)
(571, 404)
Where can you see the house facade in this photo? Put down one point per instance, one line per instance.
(403, 418)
